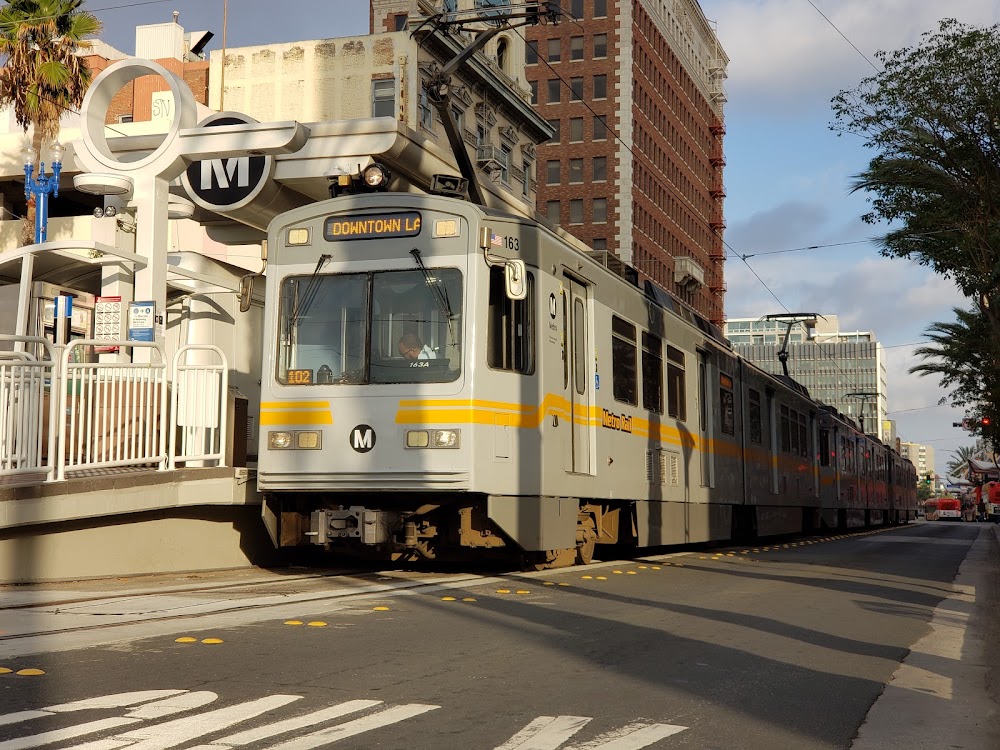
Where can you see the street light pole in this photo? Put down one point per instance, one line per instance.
(41, 186)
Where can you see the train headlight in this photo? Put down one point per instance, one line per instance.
(309, 439)
(445, 438)
(375, 177)
(417, 439)
(279, 440)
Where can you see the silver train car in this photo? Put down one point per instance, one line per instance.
(445, 381)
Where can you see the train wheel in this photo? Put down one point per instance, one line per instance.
(554, 558)
(586, 541)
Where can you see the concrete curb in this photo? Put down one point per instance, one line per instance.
(944, 694)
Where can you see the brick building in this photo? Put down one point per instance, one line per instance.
(633, 89)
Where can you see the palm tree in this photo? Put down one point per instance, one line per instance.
(958, 466)
(42, 74)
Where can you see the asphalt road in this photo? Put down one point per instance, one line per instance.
(779, 646)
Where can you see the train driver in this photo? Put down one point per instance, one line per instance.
(412, 348)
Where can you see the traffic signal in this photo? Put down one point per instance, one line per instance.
(985, 422)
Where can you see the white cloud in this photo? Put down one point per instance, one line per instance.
(785, 53)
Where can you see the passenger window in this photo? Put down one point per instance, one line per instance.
(676, 403)
(580, 346)
(652, 373)
(623, 366)
(756, 425)
(727, 404)
(510, 343)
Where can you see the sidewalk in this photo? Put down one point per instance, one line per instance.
(925, 706)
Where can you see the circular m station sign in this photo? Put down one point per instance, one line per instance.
(231, 183)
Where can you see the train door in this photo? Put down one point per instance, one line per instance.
(578, 337)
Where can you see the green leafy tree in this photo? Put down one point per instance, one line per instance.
(42, 75)
(958, 466)
(933, 117)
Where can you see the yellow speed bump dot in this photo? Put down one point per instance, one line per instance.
(380, 609)
(679, 565)
(186, 639)
(293, 622)
(548, 583)
(631, 573)
(617, 572)
(561, 583)
(730, 554)
(642, 567)
(468, 599)
(316, 624)
(587, 578)
(4, 670)
(602, 578)
(30, 672)
(503, 591)
(522, 591)
(211, 641)
(656, 567)
(448, 599)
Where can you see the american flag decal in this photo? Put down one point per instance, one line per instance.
(496, 240)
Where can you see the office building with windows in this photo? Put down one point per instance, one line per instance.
(633, 90)
(845, 369)
(921, 456)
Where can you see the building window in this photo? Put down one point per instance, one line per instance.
(554, 50)
(554, 124)
(676, 404)
(576, 211)
(552, 172)
(458, 115)
(505, 165)
(576, 48)
(526, 166)
(531, 53)
(510, 343)
(384, 98)
(576, 89)
(576, 170)
(575, 129)
(600, 210)
(601, 87)
(600, 128)
(600, 168)
(600, 45)
(122, 119)
(426, 112)
(398, 22)
(552, 211)
(600, 8)
(576, 8)
(623, 370)
(534, 91)
(554, 90)
(600, 244)
(652, 373)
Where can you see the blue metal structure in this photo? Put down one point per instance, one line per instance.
(41, 186)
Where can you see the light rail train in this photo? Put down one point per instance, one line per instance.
(447, 381)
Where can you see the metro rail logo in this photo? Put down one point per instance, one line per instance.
(612, 421)
(363, 438)
(224, 170)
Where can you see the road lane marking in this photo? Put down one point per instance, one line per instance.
(179, 731)
(116, 700)
(631, 737)
(68, 733)
(545, 733)
(288, 725)
(351, 728)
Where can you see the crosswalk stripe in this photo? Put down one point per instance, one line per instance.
(117, 700)
(174, 705)
(178, 731)
(67, 733)
(545, 733)
(351, 728)
(289, 725)
(631, 737)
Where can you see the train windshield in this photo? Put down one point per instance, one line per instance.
(362, 328)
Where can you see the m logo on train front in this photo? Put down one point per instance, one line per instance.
(363, 438)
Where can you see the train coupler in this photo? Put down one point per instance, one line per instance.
(354, 523)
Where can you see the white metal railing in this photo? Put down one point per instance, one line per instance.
(112, 414)
(26, 411)
(198, 411)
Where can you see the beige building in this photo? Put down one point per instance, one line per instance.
(921, 456)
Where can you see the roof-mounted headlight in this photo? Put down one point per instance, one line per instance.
(375, 177)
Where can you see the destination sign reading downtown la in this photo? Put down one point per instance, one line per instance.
(372, 226)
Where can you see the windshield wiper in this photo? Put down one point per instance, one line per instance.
(440, 294)
(312, 287)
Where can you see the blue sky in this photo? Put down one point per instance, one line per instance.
(787, 174)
